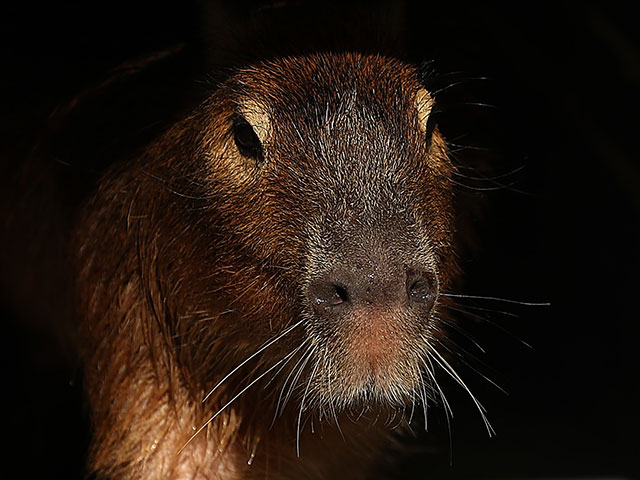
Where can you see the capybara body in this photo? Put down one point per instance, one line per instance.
(260, 290)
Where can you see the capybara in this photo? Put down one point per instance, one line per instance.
(261, 290)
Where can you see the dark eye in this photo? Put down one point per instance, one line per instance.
(246, 139)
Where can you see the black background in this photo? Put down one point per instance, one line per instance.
(563, 93)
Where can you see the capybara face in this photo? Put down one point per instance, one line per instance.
(297, 226)
(328, 199)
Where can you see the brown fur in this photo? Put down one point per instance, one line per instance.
(192, 257)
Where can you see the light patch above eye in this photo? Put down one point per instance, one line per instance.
(424, 105)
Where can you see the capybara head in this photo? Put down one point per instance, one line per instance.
(298, 225)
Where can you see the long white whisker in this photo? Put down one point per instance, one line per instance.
(297, 376)
(448, 412)
(462, 359)
(431, 374)
(304, 396)
(440, 360)
(235, 397)
(288, 357)
(490, 322)
(505, 300)
(281, 403)
(461, 331)
(332, 406)
(253, 355)
(488, 310)
(424, 397)
(415, 392)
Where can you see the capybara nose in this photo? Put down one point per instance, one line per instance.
(345, 288)
(422, 287)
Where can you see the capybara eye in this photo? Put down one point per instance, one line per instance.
(246, 139)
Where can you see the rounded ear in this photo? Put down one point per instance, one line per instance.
(425, 104)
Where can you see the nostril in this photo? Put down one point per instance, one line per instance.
(339, 295)
(420, 291)
(421, 287)
(327, 295)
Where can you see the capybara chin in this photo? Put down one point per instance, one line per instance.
(265, 273)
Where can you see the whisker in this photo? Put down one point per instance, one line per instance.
(462, 81)
(279, 402)
(490, 322)
(253, 355)
(490, 310)
(296, 377)
(290, 356)
(390, 419)
(487, 178)
(459, 146)
(483, 189)
(461, 357)
(304, 396)
(470, 104)
(496, 182)
(233, 399)
(298, 367)
(332, 406)
(419, 392)
(424, 397)
(497, 299)
(413, 395)
(461, 331)
(448, 412)
(440, 360)
(443, 398)
(399, 422)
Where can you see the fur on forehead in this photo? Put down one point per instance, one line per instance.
(310, 81)
(303, 90)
